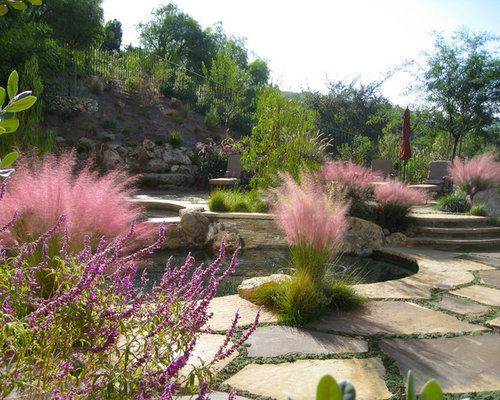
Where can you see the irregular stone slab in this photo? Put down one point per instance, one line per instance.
(275, 341)
(491, 277)
(301, 378)
(481, 294)
(224, 308)
(460, 306)
(206, 347)
(393, 317)
(406, 288)
(490, 257)
(251, 285)
(495, 322)
(460, 365)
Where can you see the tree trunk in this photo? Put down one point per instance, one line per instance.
(455, 144)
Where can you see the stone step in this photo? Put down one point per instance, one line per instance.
(483, 232)
(453, 244)
(451, 221)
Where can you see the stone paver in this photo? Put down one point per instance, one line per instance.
(487, 257)
(481, 294)
(206, 347)
(224, 308)
(276, 341)
(393, 317)
(460, 306)
(301, 378)
(213, 396)
(460, 365)
(491, 277)
(495, 322)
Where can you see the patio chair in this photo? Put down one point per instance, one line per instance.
(382, 167)
(438, 180)
(232, 175)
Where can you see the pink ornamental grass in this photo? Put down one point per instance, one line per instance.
(354, 180)
(306, 214)
(476, 174)
(43, 190)
(397, 193)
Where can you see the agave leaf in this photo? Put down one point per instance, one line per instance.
(410, 387)
(12, 84)
(328, 389)
(2, 91)
(10, 125)
(432, 390)
(9, 159)
(21, 105)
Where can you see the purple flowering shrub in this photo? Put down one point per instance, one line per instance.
(100, 336)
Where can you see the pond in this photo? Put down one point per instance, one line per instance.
(377, 268)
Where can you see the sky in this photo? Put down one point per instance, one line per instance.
(310, 42)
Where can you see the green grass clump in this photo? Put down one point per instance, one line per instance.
(175, 139)
(479, 210)
(455, 202)
(236, 201)
(302, 300)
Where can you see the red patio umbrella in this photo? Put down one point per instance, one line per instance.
(405, 152)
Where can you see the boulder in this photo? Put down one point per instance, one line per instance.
(148, 145)
(249, 286)
(232, 240)
(196, 227)
(175, 238)
(157, 165)
(176, 156)
(362, 237)
(85, 145)
(396, 239)
(491, 200)
(111, 159)
(176, 180)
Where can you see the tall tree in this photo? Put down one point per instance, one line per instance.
(112, 35)
(78, 23)
(175, 35)
(462, 79)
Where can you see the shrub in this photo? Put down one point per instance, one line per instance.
(97, 85)
(212, 119)
(236, 201)
(313, 226)
(479, 173)
(102, 337)
(479, 210)
(108, 124)
(175, 139)
(94, 205)
(456, 202)
(354, 182)
(395, 201)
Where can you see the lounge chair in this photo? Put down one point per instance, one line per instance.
(232, 175)
(382, 167)
(438, 180)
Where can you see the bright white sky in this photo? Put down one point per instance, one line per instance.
(308, 42)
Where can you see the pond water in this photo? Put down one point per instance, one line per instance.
(270, 261)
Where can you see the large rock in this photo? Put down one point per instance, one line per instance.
(491, 199)
(111, 159)
(176, 180)
(362, 237)
(157, 165)
(176, 156)
(250, 286)
(196, 227)
(232, 240)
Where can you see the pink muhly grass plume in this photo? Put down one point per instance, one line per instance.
(351, 178)
(476, 174)
(306, 214)
(397, 193)
(95, 205)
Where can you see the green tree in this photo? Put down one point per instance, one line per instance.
(77, 23)
(462, 79)
(175, 35)
(112, 35)
(259, 71)
(284, 139)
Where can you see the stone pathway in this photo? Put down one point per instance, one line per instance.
(443, 323)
